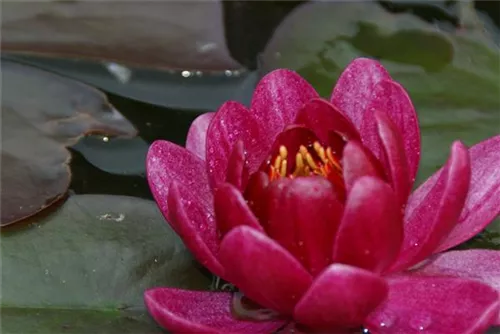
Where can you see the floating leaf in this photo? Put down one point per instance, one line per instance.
(171, 89)
(84, 268)
(78, 321)
(115, 155)
(167, 34)
(41, 114)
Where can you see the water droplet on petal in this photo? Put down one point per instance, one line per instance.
(387, 319)
(420, 321)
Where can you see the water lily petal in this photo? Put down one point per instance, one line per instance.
(237, 170)
(355, 86)
(304, 215)
(182, 311)
(232, 210)
(278, 97)
(197, 134)
(195, 227)
(322, 117)
(370, 233)
(393, 156)
(356, 162)
(434, 208)
(483, 202)
(263, 270)
(341, 296)
(391, 97)
(233, 123)
(435, 305)
(255, 194)
(167, 162)
(477, 264)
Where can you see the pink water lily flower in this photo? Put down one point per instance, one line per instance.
(305, 206)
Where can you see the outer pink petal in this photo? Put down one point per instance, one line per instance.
(341, 296)
(304, 215)
(434, 208)
(196, 229)
(477, 264)
(390, 97)
(233, 123)
(197, 134)
(278, 97)
(393, 156)
(237, 169)
(370, 233)
(355, 87)
(231, 209)
(483, 202)
(322, 117)
(182, 311)
(263, 270)
(435, 305)
(188, 208)
(167, 162)
(357, 163)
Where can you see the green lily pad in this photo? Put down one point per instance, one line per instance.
(43, 113)
(84, 268)
(60, 321)
(451, 76)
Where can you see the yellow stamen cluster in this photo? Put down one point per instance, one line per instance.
(305, 164)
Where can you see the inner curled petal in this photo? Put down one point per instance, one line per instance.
(298, 152)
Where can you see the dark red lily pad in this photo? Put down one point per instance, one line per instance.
(43, 113)
(166, 34)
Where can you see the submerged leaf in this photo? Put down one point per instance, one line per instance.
(41, 114)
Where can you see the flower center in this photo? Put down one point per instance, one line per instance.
(309, 161)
